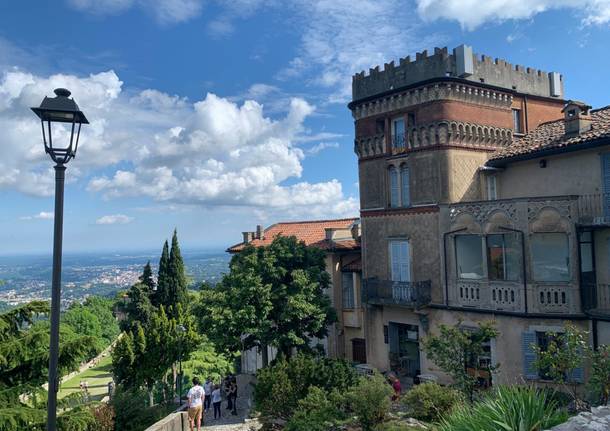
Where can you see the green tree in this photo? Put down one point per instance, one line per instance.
(456, 349)
(84, 322)
(24, 357)
(599, 380)
(177, 282)
(103, 309)
(138, 308)
(161, 296)
(563, 354)
(370, 400)
(273, 295)
(147, 278)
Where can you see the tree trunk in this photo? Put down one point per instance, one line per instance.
(151, 401)
(175, 379)
(265, 354)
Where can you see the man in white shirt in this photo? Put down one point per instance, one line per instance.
(195, 396)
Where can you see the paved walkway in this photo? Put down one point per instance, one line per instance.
(229, 422)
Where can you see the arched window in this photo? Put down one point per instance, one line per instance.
(393, 172)
(405, 192)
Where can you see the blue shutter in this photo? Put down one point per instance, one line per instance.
(393, 187)
(395, 260)
(405, 270)
(606, 179)
(578, 374)
(393, 336)
(404, 184)
(529, 355)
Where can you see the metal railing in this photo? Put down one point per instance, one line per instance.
(594, 208)
(399, 141)
(408, 293)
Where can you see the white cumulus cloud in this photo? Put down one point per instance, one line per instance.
(43, 215)
(472, 13)
(165, 11)
(114, 219)
(211, 152)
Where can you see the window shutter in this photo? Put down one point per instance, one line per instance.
(393, 336)
(529, 355)
(393, 187)
(404, 183)
(578, 374)
(606, 175)
(405, 273)
(395, 260)
(348, 289)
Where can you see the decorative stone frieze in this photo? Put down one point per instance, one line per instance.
(481, 211)
(449, 133)
(563, 207)
(431, 93)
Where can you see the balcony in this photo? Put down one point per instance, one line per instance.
(594, 209)
(414, 294)
(596, 298)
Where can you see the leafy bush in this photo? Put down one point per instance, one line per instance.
(281, 386)
(599, 381)
(370, 400)
(104, 418)
(510, 408)
(397, 426)
(317, 411)
(430, 401)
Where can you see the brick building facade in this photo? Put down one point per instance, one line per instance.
(455, 226)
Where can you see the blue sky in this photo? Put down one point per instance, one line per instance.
(214, 116)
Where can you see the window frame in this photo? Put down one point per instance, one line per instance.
(485, 261)
(394, 174)
(352, 304)
(404, 168)
(492, 187)
(483, 264)
(399, 144)
(506, 261)
(408, 263)
(568, 279)
(518, 121)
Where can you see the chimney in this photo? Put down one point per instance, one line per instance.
(259, 232)
(577, 118)
(247, 237)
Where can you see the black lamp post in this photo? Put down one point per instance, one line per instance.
(182, 330)
(59, 109)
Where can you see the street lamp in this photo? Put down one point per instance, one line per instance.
(182, 330)
(59, 109)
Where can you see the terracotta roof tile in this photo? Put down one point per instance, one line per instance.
(312, 233)
(551, 135)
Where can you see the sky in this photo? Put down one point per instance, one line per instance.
(214, 116)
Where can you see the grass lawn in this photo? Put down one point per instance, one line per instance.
(97, 377)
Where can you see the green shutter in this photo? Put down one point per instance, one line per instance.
(529, 355)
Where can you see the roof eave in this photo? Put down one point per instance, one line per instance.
(594, 143)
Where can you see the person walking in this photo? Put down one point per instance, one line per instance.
(216, 400)
(195, 399)
(208, 387)
(233, 395)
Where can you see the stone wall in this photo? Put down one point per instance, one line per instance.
(598, 419)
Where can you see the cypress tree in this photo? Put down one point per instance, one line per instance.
(147, 278)
(177, 277)
(162, 294)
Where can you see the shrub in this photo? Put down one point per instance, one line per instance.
(599, 381)
(370, 400)
(429, 401)
(104, 418)
(317, 411)
(280, 387)
(397, 426)
(510, 408)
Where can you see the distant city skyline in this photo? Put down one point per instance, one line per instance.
(212, 117)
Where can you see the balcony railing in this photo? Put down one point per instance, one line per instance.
(594, 209)
(596, 297)
(399, 142)
(408, 293)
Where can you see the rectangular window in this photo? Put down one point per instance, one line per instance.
(405, 193)
(517, 121)
(394, 189)
(347, 289)
(469, 256)
(543, 339)
(400, 262)
(411, 119)
(550, 257)
(492, 191)
(380, 125)
(398, 133)
(503, 257)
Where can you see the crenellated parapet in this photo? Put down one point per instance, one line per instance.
(461, 63)
(438, 133)
(455, 91)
